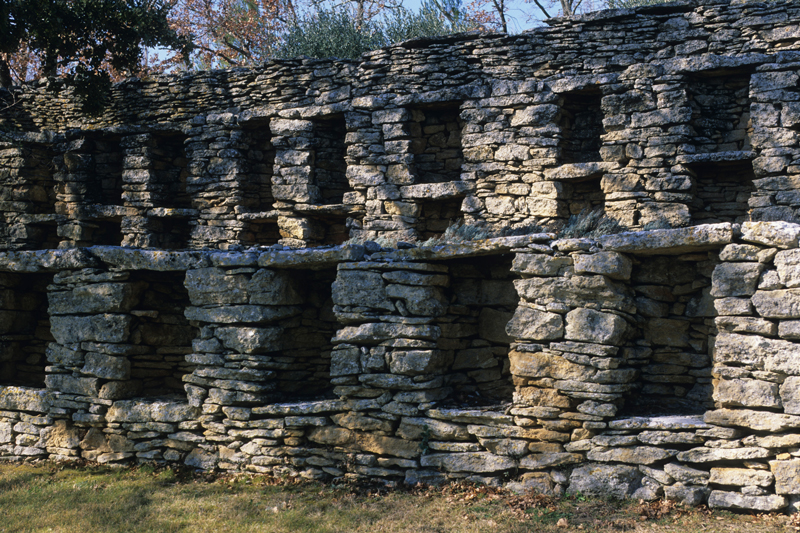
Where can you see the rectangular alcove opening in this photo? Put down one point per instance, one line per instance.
(37, 174)
(581, 124)
(585, 196)
(330, 165)
(161, 335)
(722, 191)
(483, 300)
(720, 104)
(260, 232)
(106, 231)
(24, 329)
(169, 171)
(106, 178)
(170, 233)
(257, 200)
(302, 367)
(336, 230)
(437, 215)
(435, 132)
(42, 235)
(671, 349)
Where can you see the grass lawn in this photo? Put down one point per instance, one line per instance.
(91, 499)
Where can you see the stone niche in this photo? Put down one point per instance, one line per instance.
(671, 348)
(720, 103)
(584, 196)
(482, 301)
(435, 132)
(581, 125)
(330, 166)
(160, 334)
(437, 215)
(261, 226)
(722, 191)
(24, 328)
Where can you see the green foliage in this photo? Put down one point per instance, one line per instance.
(84, 39)
(337, 34)
(589, 224)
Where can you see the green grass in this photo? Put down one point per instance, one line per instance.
(48, 497)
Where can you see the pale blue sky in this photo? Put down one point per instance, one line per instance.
(517, 15)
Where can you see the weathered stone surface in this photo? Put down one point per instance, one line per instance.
(747, 393)
(735, 279)
(638, 455)
(150, 411)
(741, 477)
(787, 263)
(73, 385)
(492, 325)
(787, 476)
(611, 264)
(686, 475)
(241, 313)
(669, 241)
(540, 264)
(708, 455)
(100, 328)
(777, 234)
(734, 500)
(587, 325)
(423, 301)
(541, 364)
(94, 299)
(577, 291)
(25, 399)
(757, 420)
(250, 340)
(107, 366)
(790, 395)
(414, 428)
(532, 324)
(778, 304)
(687, 495)
(479, 462)
(374, 333)
(617, 481)
(361, 288)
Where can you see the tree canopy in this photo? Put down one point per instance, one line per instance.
(84, 41)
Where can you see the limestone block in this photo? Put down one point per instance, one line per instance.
(100, 328)
(72, 385)
(538, 482)
(25, 399)
(95, 298)
(271, 287)
(710, 455)
(388, 446)
(536, 115)
(241, 313)
(532, 324)
(788, 264)
(735, 279)
(142, 411)
(587, 325)
(199, 458)
(405, 277)
(361, 422)
(361, 288)
(638, 455)
(250, 340)
(733, 306)
(549, 460)
(541, 364)
(616, 481)
(577, 291)
(60, 435)
(414, 429)
(741, 477)
(774, 355)
(118, 390)
(375, 333)
(756, 420)
(739, 252)
(746, 324)
(787, 476)
(734, 500)
(684, 474)
(775, 234)
(687, 495)
(789, 329)
(540, 264)
(64, 355)
(107, 366)
(790, 395)
(611, 264)
(345, 360)
(424, 301)
(415, 362)
(474, 462)
(746, 393)
(778, 304)
(212, 286)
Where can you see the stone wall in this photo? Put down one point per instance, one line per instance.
(175, 288)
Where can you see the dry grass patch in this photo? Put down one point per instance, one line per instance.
(65, 499)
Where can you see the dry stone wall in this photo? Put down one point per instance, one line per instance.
(174, 285)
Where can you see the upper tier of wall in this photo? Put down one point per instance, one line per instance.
(663, 116)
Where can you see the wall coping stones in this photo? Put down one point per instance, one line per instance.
(669, 241)
(46, 260)
(660, 422)
(498, 245)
